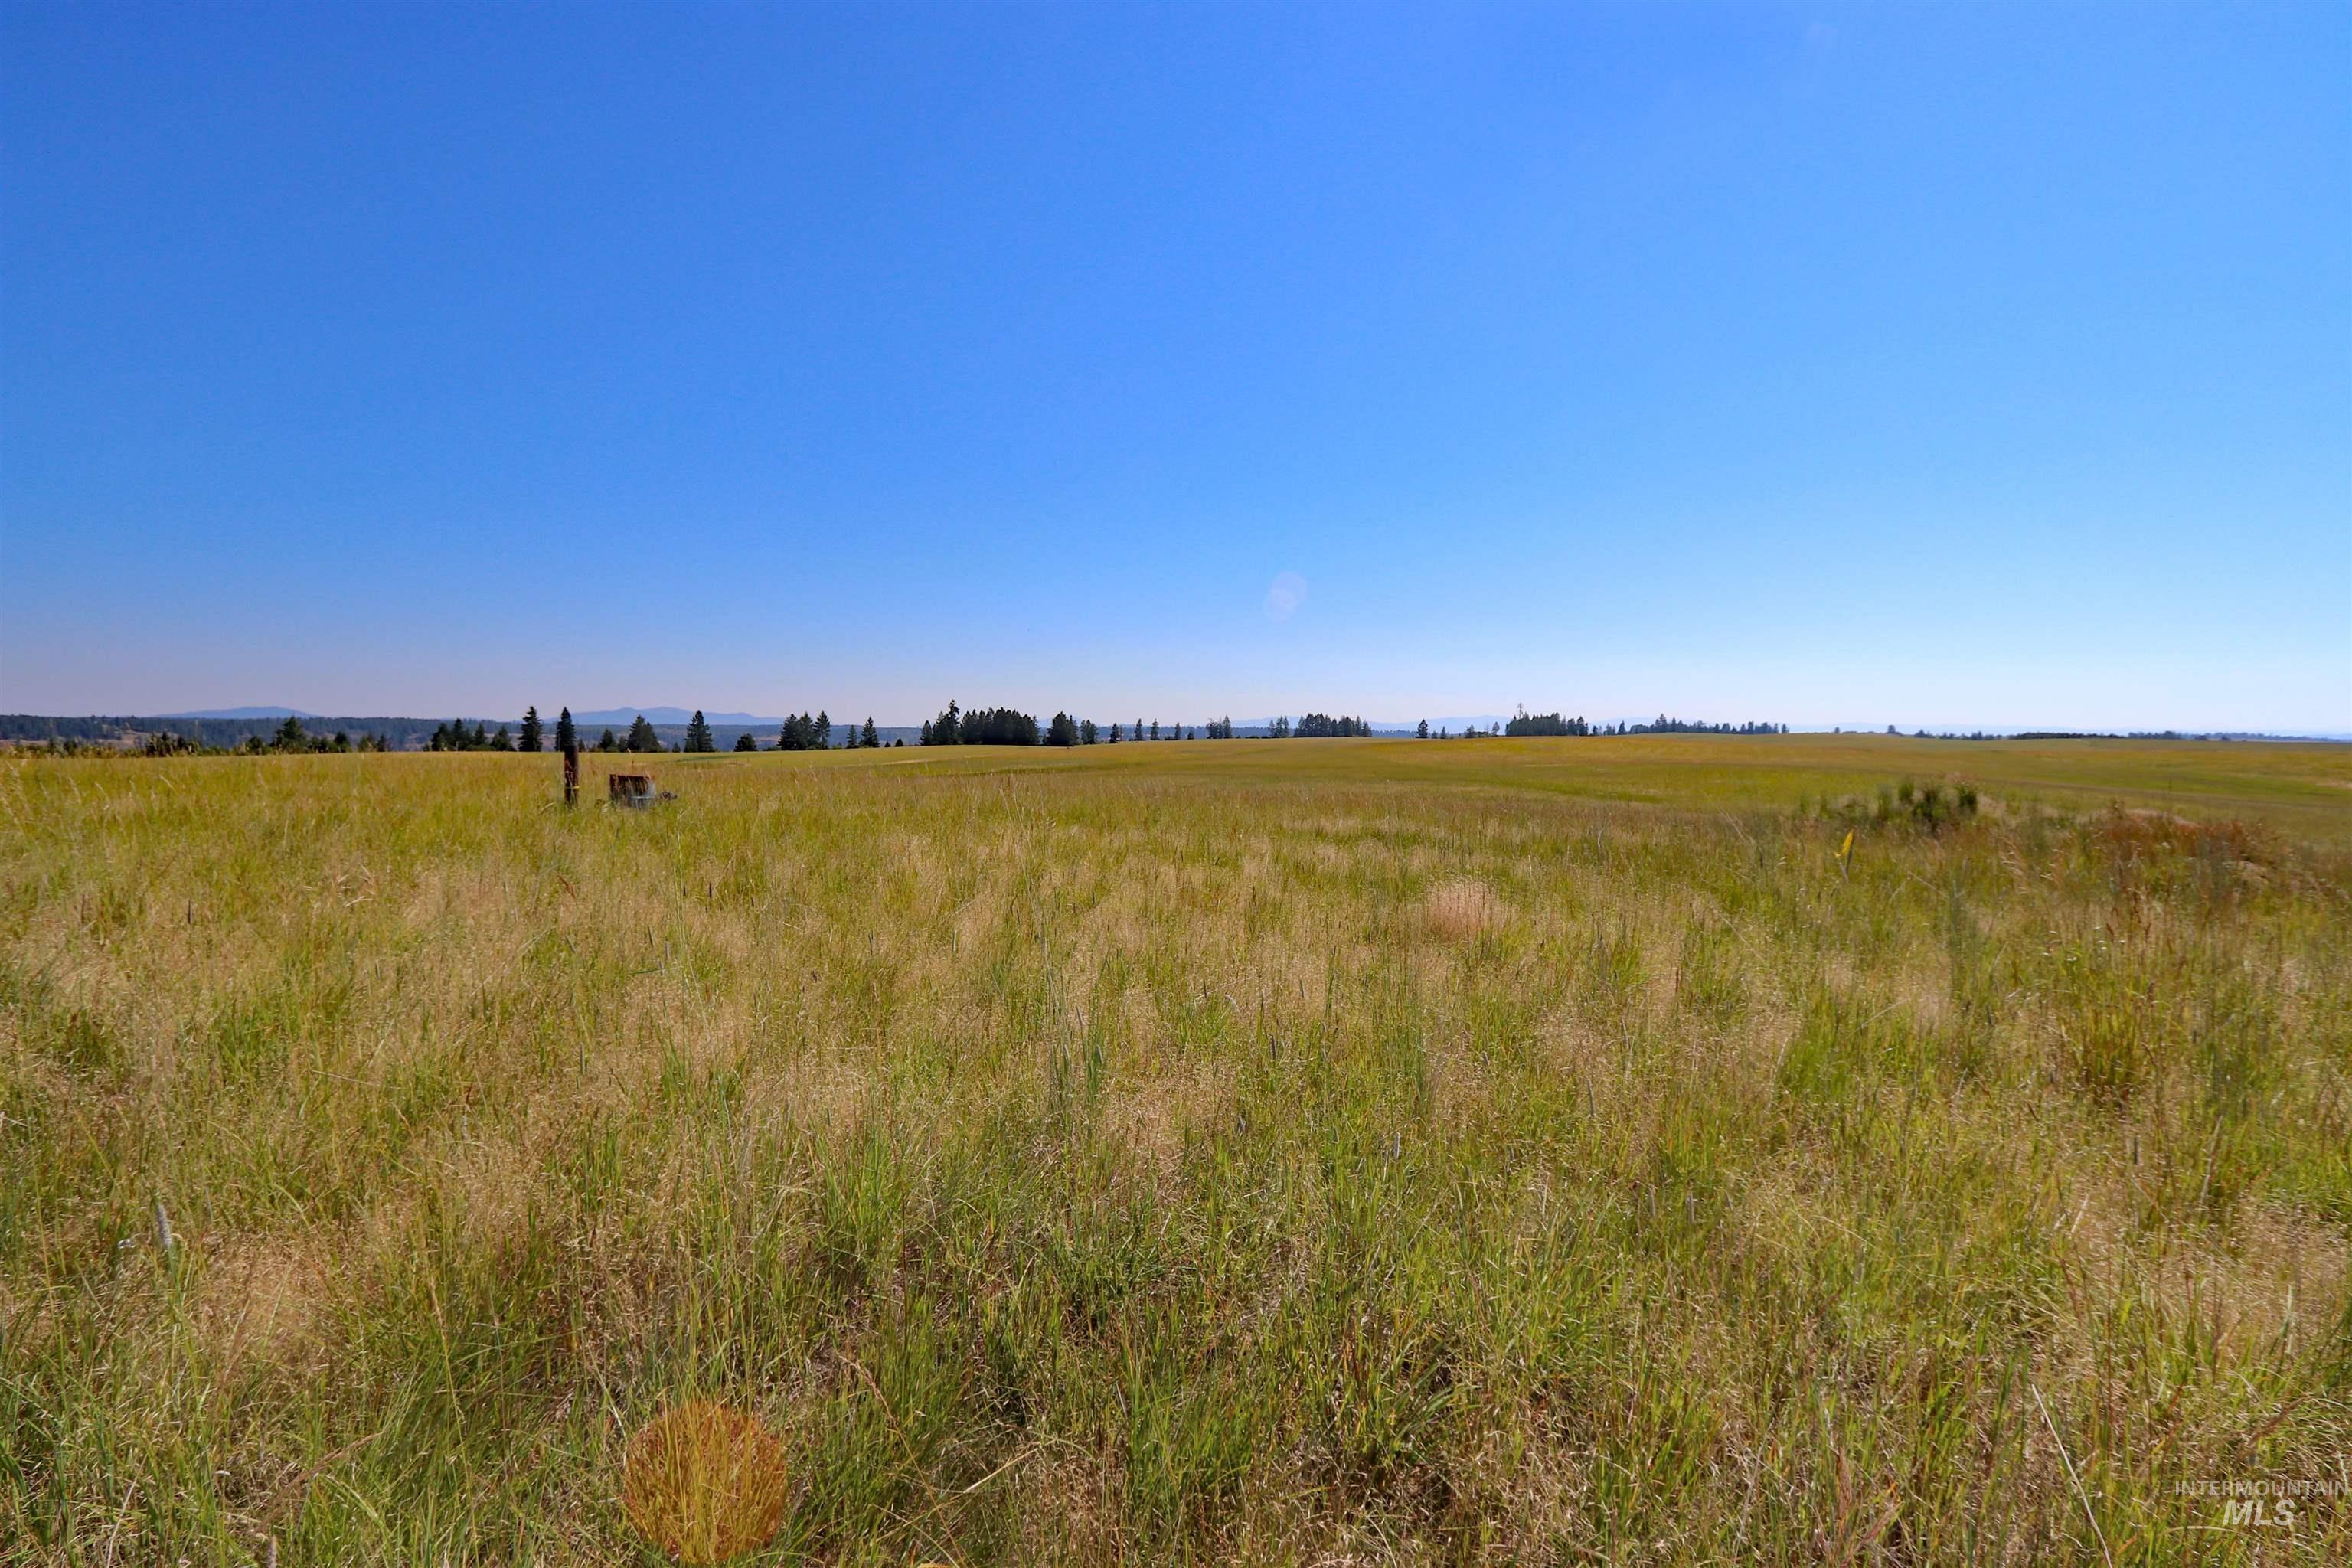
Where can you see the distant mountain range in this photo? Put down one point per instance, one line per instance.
(594, 716)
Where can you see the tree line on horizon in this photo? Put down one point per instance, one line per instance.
(800, 733)
(958, 726)
(1527, 723)
(955, 725)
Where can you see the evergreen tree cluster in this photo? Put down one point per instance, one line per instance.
(803, 733)
(1662, 725)
(981, 727)
(1323, 727)
(698, 734)
(1527, 723)
(958, 726)
(287, 738)
(454, 736)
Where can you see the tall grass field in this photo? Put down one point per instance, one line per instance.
(1667, 1150)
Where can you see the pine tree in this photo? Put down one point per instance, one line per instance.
(1115, 736)
(1424, 731)
(1087, 734)
(531, 734)
(502, 741)
(744, 743)
(567, 734)
(605, 742)
(822, 736)
(698, 734)
(873, 737)
(641, 737)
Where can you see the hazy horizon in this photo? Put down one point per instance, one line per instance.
(673, 715)
(1965, 367)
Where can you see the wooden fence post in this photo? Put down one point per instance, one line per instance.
(571, 773)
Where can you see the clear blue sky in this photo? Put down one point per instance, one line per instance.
(1985, 365)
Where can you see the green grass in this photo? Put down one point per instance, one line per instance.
(1508, 1152)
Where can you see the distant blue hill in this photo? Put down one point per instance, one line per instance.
(243, 713)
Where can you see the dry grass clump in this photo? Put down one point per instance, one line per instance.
(704, 1482)
(2137, 835)
(1459, 909)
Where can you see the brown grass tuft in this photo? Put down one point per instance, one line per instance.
(1462, 908)
(2138, 835)
(704, 1482)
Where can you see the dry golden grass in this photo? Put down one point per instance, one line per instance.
(1459, 909)
(1300, 1155)
(704, 1482)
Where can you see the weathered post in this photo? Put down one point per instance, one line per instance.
(571, 772)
